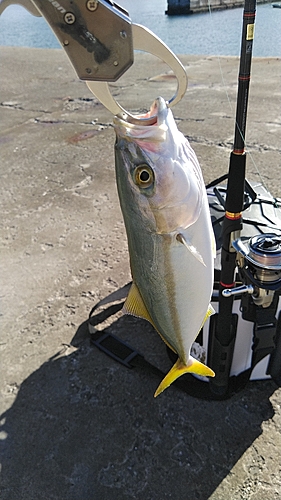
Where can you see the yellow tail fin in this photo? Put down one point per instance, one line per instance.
(179, 368)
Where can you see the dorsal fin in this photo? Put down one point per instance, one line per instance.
(135, 306)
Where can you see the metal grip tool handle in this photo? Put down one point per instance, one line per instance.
(27, 4)
(100, 39)
(145, 40)
(96, 34)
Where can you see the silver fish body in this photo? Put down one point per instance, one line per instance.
(170, 238)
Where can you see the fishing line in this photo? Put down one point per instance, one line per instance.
(230, 103)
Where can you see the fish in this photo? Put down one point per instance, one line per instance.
(171, 243)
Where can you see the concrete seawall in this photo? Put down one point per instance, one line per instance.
(186, 7)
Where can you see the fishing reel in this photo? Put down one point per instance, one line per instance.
(254, 350)
(259, 264)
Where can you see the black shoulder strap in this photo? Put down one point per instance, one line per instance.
(126, 355)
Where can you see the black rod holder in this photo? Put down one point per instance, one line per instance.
(222, 337)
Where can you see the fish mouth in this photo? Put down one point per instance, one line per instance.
(151, 126)
(157, 109)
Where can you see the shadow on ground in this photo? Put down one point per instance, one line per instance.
(83, 427)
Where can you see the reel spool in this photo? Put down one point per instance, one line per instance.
(259, 259)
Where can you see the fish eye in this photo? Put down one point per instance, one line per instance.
(144, 176)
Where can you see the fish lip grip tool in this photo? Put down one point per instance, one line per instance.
(144, 40)
(99, 39)
(95, 34)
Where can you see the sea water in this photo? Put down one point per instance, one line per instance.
(218, 32)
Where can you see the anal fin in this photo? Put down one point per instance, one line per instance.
(209, 313)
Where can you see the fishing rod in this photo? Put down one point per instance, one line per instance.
(224, 324)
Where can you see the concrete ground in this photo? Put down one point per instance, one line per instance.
(75, 424)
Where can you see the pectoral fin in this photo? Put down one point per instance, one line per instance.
(191, 248)
(179, 368)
